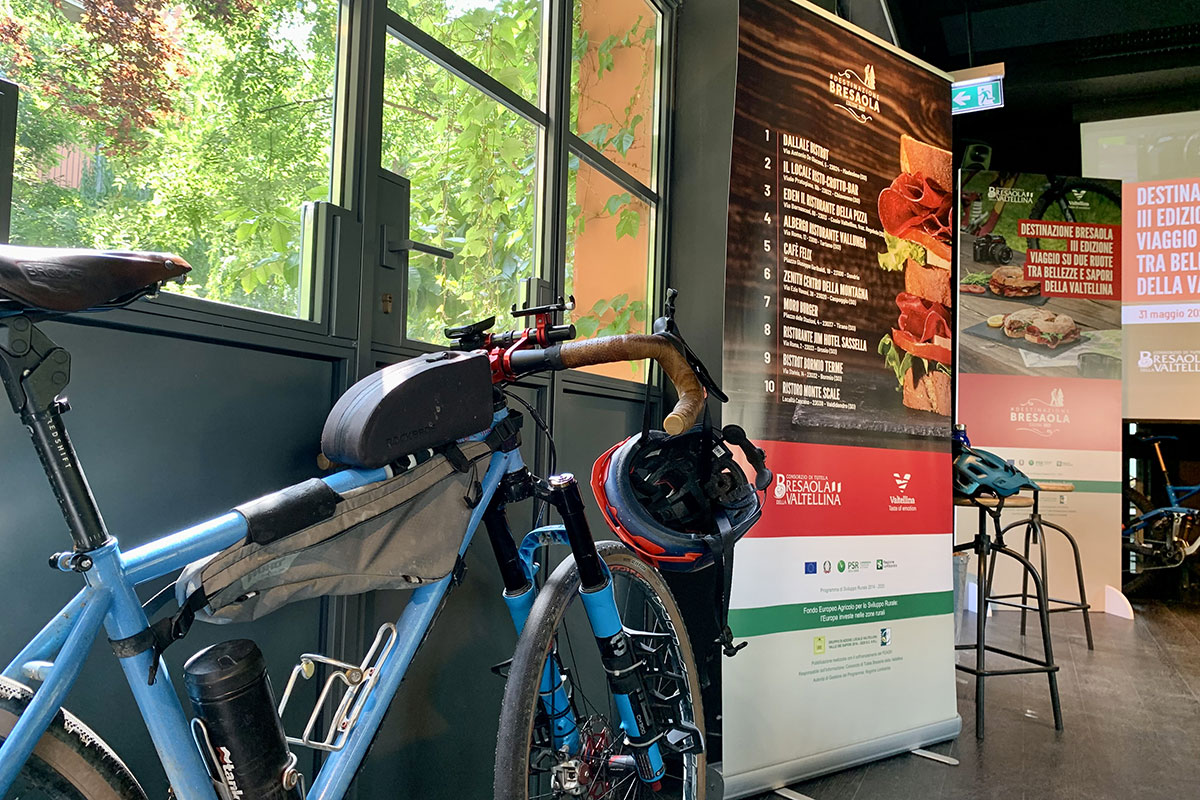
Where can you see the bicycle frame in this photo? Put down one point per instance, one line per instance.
(57, 653)
(1176, 494)
(34, 371)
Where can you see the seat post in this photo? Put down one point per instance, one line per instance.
(35, 372)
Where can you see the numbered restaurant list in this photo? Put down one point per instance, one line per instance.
(812, 207)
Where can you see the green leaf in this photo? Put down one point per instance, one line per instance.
(245, 231)
(248, 281)
(623, 141)
(280, 237)
(512, 149)
(586, 327)
(597, 136)
(579, 47)
(616, 202)
(628, 223)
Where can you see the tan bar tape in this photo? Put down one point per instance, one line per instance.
(634, 346)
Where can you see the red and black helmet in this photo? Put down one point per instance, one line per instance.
(666, 497)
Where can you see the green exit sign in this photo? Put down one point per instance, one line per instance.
(978, 95)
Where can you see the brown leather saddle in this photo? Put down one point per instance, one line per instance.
(65, 280)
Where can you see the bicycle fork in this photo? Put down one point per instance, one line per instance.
(624, 670)
(625, 674)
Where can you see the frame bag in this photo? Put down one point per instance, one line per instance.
(399, 533)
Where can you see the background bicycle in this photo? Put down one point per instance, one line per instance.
(1159, 535)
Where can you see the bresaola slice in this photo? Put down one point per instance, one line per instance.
(915, 202)
(924, 328)
(918, 209)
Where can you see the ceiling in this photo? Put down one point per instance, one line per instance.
(1083, 52)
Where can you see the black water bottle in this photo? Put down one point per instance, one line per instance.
(230, 693)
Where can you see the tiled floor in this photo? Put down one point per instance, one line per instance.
(1131, 711)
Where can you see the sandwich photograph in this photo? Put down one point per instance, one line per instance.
(1011, 323)
(915, 214)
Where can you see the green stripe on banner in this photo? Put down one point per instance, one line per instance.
(830, 613)
(1101, 487)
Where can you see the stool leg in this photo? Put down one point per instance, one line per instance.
(1047, 646)
(1025, 577)
(1040, 538)
(991, 574)
(980, 635)
(1087, 622)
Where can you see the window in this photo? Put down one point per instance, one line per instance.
(198, 127)
(608, 258)
(468, 109)
(613, 70)
(472, 163)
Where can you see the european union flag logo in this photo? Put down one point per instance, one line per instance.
(810, 568)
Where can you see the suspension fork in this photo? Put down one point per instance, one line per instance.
(625, 671)
(519, 594)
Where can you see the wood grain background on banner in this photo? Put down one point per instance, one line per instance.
(783, 84)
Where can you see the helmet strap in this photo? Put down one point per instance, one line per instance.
(720, 545)
(647, 410)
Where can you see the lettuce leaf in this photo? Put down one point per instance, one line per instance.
(899, 360)
(897, 251)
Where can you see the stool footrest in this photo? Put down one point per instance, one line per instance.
(990, 673)
(1045, 667)
(1068, 605)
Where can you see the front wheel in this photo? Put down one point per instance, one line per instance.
(527, 766)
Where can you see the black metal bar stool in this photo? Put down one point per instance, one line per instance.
(1034, 528)
(986, 551)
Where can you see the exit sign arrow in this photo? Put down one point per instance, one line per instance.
(977, 95)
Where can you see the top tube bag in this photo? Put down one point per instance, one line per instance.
(396, 534)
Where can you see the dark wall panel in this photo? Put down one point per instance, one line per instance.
(706, 73)
(438, 741)
(170, 432)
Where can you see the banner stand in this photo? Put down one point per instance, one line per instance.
(777, 775)
(838, 360)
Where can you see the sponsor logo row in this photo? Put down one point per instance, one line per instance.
(828, 566)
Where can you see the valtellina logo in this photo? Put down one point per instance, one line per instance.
(902, 501)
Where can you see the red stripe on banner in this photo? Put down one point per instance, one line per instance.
(1046, 413)
(829, 490)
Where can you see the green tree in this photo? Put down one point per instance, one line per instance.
(201, 129)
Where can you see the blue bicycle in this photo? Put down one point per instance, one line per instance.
(1162, 537)
(602, 696)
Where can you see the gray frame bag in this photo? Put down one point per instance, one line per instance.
(397, 534)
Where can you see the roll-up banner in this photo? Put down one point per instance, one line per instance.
(1039, 318)
(1162, 300)
(838, 361)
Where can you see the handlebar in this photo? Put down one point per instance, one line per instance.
(628, 347)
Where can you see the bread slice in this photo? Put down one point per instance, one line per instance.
(930, 283)
(931, 393)
(932, 162)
